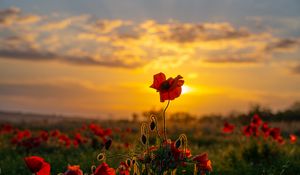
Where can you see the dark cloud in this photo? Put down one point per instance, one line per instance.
(282, 45)
(35, 55)
(26, 55)
(183, 33)
(7, 15)
(232, 59)
(9, 12)
(13, 15)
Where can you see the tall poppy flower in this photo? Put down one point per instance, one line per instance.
(104, 169)
(37, 165)
(73, 170)
(168, 89)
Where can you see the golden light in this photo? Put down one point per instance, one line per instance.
(185, 89)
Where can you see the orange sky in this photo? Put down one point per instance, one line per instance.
(84, 64)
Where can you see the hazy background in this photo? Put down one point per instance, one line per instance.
(97, 57)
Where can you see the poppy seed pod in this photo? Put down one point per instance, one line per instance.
(144, 139)
(152, 125)
(128, 162)
(100, 157)
(178, 143)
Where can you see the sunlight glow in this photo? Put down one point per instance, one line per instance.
(185, 89)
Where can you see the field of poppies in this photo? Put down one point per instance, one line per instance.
(257, 142)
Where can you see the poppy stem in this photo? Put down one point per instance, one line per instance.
(164, 116)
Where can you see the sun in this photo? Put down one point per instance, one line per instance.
(185, 89)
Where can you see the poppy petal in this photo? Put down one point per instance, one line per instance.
(157, 80)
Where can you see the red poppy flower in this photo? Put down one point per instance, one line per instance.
(44, 135)
(280, 140)
(256, 120)
(6, 128)
(104, 169)
(124, 169)
(37, 165)
(293, 138)
(275, 133)
(179, 154)
(65, 139)
(265, 129)
(228, 128)
(55, 133)
(247, 130)
(73, 170)
(203, 163)
(168, 89)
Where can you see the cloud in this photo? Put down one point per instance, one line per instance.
(282, 45)
(86, 40)
(183, 33)
(60, 24)
(77, 60)
(13, 15)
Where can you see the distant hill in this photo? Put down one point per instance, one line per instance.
(18, 117)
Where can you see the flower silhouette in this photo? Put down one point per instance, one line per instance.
(168, 89)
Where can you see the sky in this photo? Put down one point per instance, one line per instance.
(98, 57)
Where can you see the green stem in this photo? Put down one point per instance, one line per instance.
(164, 116)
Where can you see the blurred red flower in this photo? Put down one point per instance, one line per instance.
(256, 120)
(293, 138)
(79, 138)
(275, 133)
(37, 165)
(228, 128)
(203, 163)
(247, 130)
(104, 169)
(55, 133)
(250, 130)
(179, 154)
(168, 89)
(64, 139)
(73, 170)
(124, 169)
(6, 128)
(44, 135)
(280, 140)
(265, 129)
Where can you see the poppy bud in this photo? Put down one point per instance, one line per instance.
(144, 139)
(100, 157)
(152, 125)
(128, 162)
(178, 143)
(93, 168)
(108, 144)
